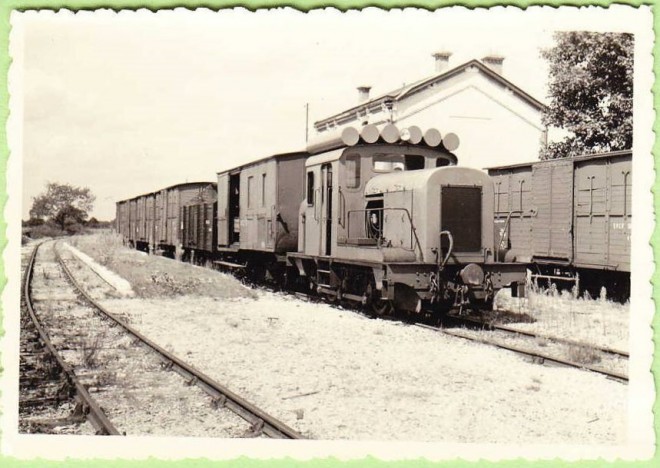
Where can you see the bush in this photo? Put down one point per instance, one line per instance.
(46, 230)
(33, 222)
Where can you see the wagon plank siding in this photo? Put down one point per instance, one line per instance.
(513, 215)
(603, 213)
(150, 212)
(581, 210)
(133, 220)
(552, 197)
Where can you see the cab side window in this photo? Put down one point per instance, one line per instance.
(353, 171)
(310, 188)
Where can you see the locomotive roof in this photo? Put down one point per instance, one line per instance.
(335, 154)
(399, 181)
(292, 154)
(179, 185)
(582, 157)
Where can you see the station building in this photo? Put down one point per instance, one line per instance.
(496, 121)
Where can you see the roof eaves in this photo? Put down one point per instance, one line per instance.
(405, 91)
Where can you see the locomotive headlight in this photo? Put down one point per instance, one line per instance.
(472, 275)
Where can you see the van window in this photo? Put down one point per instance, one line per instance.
(250, 191)
(310, 188)
(263, 189)
(353, 171)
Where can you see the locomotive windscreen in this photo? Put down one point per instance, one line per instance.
(461, 215)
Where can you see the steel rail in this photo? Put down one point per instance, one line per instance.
(613, 375)
(492, 326)
(221, 395)
(527, 352)
(93, 412)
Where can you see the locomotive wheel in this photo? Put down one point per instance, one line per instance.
(377, 305)
(382, 307)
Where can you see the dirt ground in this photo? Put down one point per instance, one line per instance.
(334, 374)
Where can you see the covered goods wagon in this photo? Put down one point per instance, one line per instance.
(566, 214)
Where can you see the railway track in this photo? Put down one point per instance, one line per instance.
(46, 377)
(505, 328)
(473, 324)
(130, 341)
(527, 344)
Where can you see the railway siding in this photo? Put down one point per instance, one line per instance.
(138, 394)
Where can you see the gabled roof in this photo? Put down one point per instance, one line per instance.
(408, 90)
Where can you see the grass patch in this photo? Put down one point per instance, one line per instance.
(153, 276)
(583, 354)
(596, 321)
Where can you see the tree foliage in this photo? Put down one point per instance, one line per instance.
(63, 204)
(591, 91)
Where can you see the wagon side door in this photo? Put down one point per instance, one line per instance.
(223, 209)
(553, 200)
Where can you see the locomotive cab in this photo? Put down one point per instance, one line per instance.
(334, 216)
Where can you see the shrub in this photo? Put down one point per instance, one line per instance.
(91, 348)
(46, 230)
(583, 354)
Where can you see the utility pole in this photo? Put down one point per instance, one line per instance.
(306, 122)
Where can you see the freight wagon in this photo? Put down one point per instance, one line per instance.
(570, 218)
(257, 213)
(153, 221)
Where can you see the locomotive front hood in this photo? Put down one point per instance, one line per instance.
(403, 181)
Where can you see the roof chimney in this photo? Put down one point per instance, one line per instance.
(363, 93)
(441, 61)
(494, 62)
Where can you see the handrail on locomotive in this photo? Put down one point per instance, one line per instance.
(374, 229)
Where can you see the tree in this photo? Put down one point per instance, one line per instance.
(69, 218)
(63, 204)
(591, 91)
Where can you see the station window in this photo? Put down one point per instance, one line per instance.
(353, 171)
(310, 188)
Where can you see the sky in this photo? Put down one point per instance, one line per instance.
(132, 102)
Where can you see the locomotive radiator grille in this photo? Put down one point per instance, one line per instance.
(460, 214)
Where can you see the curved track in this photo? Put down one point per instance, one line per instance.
(261, 422)
(93, 412)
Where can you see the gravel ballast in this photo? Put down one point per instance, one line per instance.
(334, 374)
